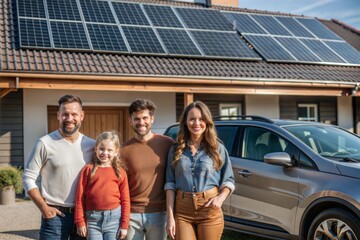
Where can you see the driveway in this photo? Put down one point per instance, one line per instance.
(19, 221)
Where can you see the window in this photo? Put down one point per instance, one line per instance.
(231, 109)
(258, 142)
(308, 112)
(227, 135)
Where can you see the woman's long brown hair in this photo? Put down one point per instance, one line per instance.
(209, 141)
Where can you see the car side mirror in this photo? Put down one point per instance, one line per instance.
(279, 159)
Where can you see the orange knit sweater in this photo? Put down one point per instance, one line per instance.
(104, 191)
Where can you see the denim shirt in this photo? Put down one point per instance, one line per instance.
(197, 173)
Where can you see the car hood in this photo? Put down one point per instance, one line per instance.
(349, 169)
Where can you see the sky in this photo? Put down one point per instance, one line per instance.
(347, 11)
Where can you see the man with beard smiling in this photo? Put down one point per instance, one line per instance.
(145, 156)
(51, 174)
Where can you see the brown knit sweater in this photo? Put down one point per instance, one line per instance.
(146, 161)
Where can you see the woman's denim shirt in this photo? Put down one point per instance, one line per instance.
(197, 173)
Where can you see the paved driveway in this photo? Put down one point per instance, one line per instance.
(19, 221)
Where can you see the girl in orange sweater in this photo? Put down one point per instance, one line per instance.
(102, 209)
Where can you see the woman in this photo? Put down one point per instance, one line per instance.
(199, 176)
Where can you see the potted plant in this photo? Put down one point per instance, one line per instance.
(10, 184)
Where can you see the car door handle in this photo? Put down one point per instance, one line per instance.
(244, 173)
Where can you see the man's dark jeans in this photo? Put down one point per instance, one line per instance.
(59, 228)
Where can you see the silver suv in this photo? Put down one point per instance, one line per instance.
(294, 179)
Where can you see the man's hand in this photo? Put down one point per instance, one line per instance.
(51, 212)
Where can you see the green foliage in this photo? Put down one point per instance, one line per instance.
(11, 176)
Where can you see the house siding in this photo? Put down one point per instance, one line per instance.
(11, 129)
(327, 107)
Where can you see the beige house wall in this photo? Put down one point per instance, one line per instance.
(262, 105)
(345, 113)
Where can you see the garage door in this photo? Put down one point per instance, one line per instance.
(97, 120)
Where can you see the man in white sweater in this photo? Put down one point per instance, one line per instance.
(51, 174)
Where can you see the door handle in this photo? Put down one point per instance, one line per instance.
(244, 173)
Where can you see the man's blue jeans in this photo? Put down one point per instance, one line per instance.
(148, 226)
(59, 228)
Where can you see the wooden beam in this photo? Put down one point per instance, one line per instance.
(188, 98)
(182, 88)
(175, 79)
(6, 91)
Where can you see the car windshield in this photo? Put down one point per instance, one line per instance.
(328, 141)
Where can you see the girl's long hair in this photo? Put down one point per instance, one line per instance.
(209, 141)
(116, 163)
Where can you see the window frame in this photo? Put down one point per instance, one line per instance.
(308, 106)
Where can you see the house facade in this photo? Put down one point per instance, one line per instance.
(32, 79)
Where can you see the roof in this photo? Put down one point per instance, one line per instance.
(348, 33)
(17, 62)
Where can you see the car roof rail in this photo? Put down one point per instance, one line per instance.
(244, 117)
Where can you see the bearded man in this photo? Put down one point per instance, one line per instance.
(145, 156)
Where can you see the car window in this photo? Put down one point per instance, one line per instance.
(172, 132)
(227, 135)
(306, 163)
(257, 142)
(328, 141)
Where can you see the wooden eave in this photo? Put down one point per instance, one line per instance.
(11, 81)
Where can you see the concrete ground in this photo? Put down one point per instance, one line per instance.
(19, 221)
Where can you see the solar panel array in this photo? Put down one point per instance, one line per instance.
(134, 28)
(293, 39)
(137, 28)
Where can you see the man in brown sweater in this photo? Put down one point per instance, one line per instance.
(145, 155)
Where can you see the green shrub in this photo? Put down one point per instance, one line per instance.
(11, 176)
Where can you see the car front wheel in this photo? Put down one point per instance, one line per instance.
(335, 224)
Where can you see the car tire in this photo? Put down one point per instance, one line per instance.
(335, 223)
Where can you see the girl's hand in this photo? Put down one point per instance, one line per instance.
(81, 231)
(121, 234)
(170, 227)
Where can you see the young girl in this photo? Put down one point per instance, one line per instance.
(102, 198)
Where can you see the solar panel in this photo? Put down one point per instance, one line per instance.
(106, 38)
(69, 35)
(142, 40)
(298, 50)
(33, 8)
(322, 51)
(271, 25)
(178, 42)
(244, 23)
(130, 13)
(63, 10)
(204, 19)
(97, 11)
(295, 27)
(346, 51)
(269, 48)
(34, 33)
(318, 29)
(162, 16)
(223, 44)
